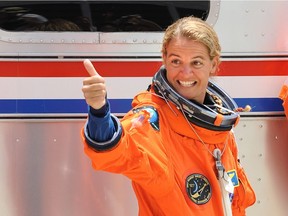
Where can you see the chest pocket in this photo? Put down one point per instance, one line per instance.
(244, 194)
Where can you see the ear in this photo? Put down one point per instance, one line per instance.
(215, 65)
(164, 57)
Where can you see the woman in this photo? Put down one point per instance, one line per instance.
(176, 144)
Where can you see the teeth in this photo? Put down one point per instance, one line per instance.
(187, 83)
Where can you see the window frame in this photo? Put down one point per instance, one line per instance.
(95, 37)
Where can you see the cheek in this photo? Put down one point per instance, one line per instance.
(171, 78)
(205, 79)
(207, 72)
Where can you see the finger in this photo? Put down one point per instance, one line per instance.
(93, 80)
(93, 86)
(89, 67)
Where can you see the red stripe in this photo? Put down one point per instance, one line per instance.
(133, 69)
(76, 69)
(254, 68)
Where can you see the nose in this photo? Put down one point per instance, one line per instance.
(187, 69)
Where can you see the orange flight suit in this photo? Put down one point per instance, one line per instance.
(172, 172)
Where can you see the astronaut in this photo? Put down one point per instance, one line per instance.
(176, 144)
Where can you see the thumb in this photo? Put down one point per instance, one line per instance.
(89, 67)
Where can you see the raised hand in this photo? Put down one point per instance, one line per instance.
(94, 87)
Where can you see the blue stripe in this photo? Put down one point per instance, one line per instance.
(78, 106)
(261, 104)
(56, 106)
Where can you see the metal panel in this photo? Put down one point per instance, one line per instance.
(263, 147)
(244, 28)
(253, 27)
(44, 170)
(87, 43)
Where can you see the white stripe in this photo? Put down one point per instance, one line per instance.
(67, 88)
(44, 88)
(252, 86)
(127, 87)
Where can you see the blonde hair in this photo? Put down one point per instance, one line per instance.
(195, 29)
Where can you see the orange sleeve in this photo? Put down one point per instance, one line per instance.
(283, 95)
(244, 193)
(134, 156)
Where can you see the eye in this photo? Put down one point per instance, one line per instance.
(175, 62)
(197, 63)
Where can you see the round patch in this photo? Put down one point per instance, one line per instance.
(154, 116)
(198, 188)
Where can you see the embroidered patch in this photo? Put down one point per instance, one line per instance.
(154, 117)
(198, 188)
(234, 177)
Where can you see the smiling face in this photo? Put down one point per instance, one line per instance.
(189, 67)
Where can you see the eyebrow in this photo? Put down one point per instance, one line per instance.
(172, 55)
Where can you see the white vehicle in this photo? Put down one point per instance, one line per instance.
(43, 169)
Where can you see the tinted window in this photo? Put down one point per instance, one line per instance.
(106, 16)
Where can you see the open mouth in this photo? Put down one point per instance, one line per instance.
(187, 83)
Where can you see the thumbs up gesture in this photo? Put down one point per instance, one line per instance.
(94, 87)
